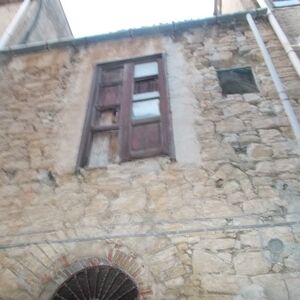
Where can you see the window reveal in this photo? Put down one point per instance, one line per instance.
(237, 81)
(128, 115)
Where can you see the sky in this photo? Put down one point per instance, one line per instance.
(92, 17)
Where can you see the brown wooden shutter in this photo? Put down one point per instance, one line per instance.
(128, 115)
(102, 143)
(147, 135)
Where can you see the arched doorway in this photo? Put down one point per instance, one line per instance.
(97, 283)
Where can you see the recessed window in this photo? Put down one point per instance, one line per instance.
(237, 81)
(282, 3)
(128, 115)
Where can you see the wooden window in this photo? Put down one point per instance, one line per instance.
(128, 113)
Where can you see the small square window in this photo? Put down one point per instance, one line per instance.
(237, 81)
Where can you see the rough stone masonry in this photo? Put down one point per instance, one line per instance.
(220, 222)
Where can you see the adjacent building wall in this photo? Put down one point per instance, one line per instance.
(221, 222)
(43, 21)
(52, 23)
(7, 12)
(288, 18)
(232, 6)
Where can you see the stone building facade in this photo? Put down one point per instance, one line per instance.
(218, 219)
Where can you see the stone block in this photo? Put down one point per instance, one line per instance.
(259, 152)
(287, 165)
(175, 283)
(251, 263)
(221, 283)
(273, 285)
(252, 98)
(251, 292)
(230, 125)
(238, 109)
(215, 244)
(204, 262)
(293, 288)
(270, 135)
(250, 239)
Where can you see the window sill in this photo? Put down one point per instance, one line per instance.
(136, 164)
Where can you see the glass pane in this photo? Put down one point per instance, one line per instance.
(145, 69)
(144, 96)
(104, 150)
(145, 109)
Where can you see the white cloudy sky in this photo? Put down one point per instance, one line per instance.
(91, 17)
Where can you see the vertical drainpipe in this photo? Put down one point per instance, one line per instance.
(8, 33)
(282, 37)
(276, 79)
(217, 7)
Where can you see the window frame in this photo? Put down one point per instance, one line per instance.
(127, 123)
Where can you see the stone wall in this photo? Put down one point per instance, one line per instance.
(222, 222)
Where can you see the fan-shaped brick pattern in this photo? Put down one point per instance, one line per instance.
(98, 283)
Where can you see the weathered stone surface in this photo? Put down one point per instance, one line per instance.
(229, 284)
(259, 152)
(274, 286)
(250, 239)
(252, 98)
(230, 125)
(293, 287)
(204, 262)
(216, 244)
(251, 263)
(251, 292)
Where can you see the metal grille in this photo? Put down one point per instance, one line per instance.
(98, 283)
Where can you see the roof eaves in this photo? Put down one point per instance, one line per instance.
(138, 32)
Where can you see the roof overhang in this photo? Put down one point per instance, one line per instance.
(171, 28)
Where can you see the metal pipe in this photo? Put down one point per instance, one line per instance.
(282, 37)
(14, 24)
(277, 81)
(33, 24)
(217, 7)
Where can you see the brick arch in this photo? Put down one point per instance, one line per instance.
(115, 255)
